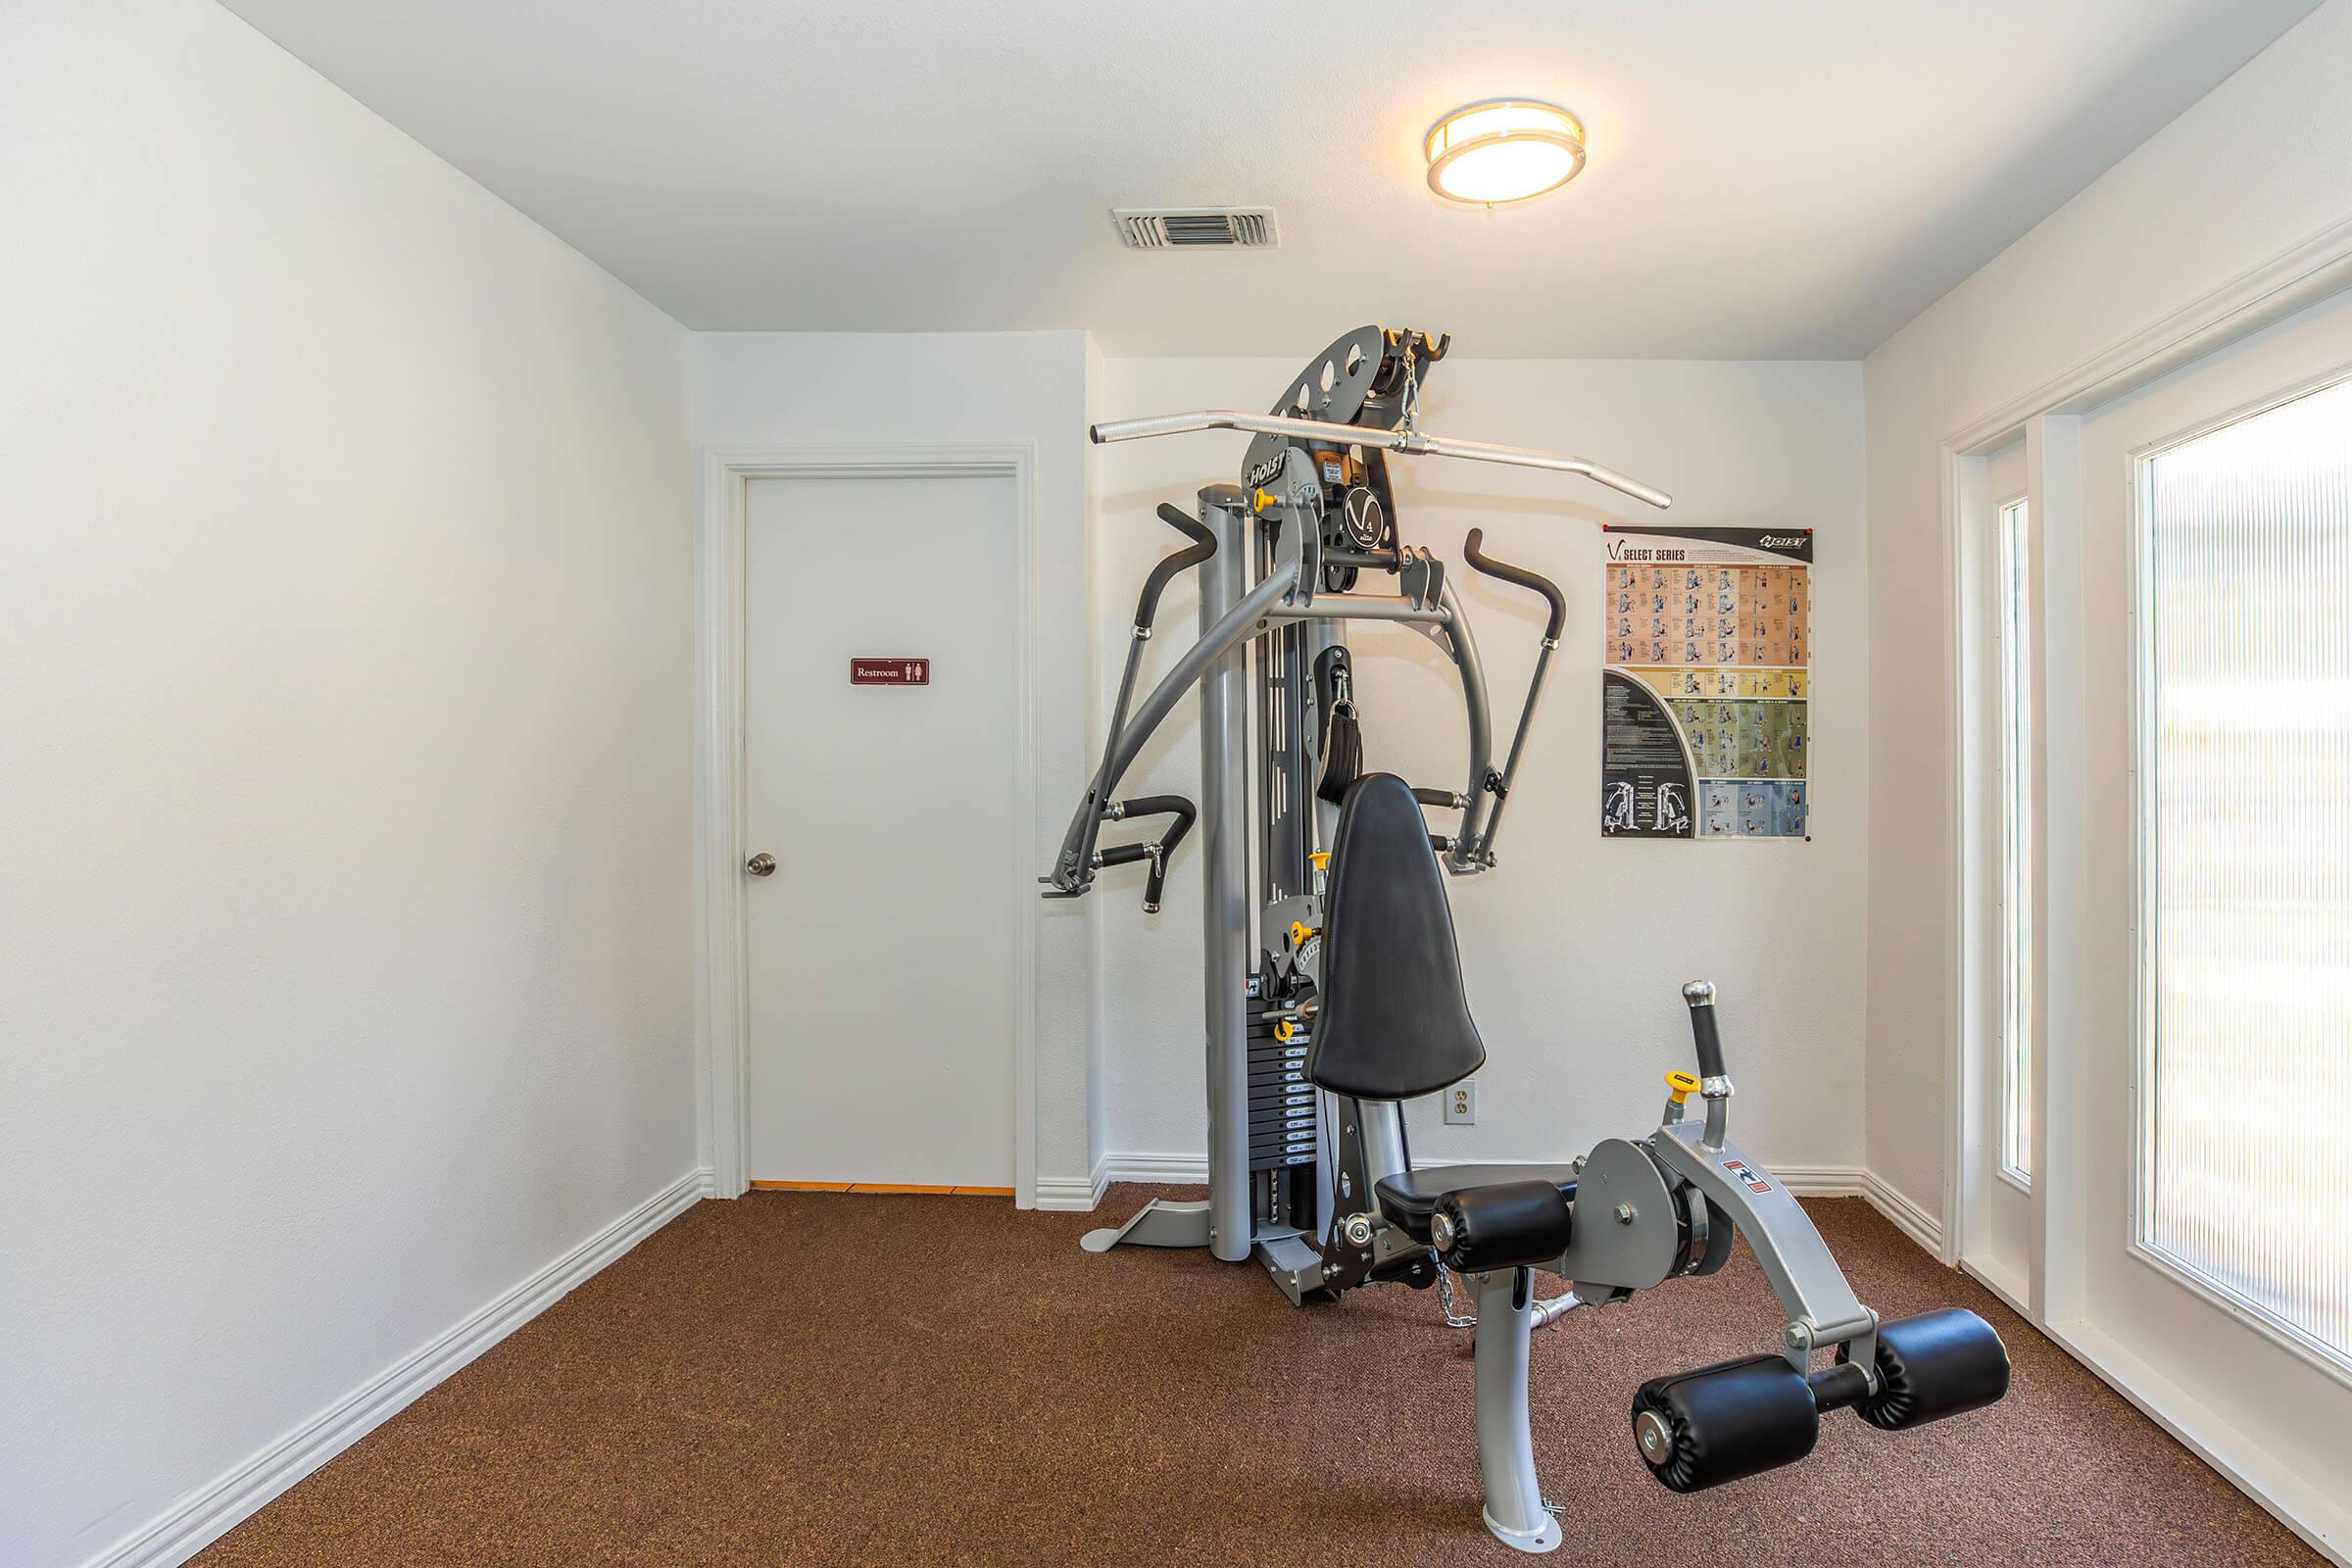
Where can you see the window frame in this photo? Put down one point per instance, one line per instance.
(2013, 620)
(2140, 1205)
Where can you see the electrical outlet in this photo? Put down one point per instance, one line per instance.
(1461, 1103)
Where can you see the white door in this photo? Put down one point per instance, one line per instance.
(882, 951)
(2215, 870)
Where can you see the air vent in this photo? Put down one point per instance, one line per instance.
(1163, 228)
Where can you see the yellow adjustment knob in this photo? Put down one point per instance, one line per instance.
(1322, 860)
(1299, 932)
(1681, 1085)
(1284, 1030)
(1264, 502)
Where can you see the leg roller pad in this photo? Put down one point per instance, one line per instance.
(1727, 1422)
(1933, 1365)
(1721, 1423)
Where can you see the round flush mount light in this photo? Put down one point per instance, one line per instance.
(1504, 150)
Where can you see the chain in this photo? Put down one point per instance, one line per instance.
(1454, 1319)
(1458, 1320)
(1413, 393)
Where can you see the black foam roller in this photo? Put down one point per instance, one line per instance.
(1728, 1421)
(1933, 1365)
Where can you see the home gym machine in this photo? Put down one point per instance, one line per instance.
(1334, 990)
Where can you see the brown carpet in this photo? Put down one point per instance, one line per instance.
(821, 1379)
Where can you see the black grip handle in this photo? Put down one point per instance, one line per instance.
(1428, 797)
(1203, 545)
(1701, 996)
(1175, 806)
(1521, 578)
(1182, 810)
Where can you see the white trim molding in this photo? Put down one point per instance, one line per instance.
(1075, 1195)
(2304, 274)
(1166, 1170)
(724, 1015)
(198, 1518)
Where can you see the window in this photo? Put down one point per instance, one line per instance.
(2247, 780)
(2017, 885)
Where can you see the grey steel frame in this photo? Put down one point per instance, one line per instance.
(1681, 1160)
(1233, 616)
(1232, 620)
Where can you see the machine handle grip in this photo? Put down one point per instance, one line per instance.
(1699, 995)
(1158, 851)
(1203, 545)
(1520, 576)
(1182, 810)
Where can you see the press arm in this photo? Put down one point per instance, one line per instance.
(1398, 440)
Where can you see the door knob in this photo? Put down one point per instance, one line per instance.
(761, 865)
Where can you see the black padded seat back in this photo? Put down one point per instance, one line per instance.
(1393, 1022)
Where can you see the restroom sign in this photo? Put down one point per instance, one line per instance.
(890, 672)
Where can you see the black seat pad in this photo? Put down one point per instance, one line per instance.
(1393, 1022)
(1407, 1198)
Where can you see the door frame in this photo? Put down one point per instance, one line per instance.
(2046, 417)
(2049, 418)
(723, 1014)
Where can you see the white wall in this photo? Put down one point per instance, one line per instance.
(345, 609)
(2261, 162)
(1575, 948)
(767, 390)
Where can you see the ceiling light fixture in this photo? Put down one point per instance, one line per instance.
(1504, 150)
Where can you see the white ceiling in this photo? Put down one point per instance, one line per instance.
(1792, 180)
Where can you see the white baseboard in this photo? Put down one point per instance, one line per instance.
(1072, 1195)
(1923, 1227)
(1081, 1195)
(2010, 1287)
(198, 1518)
(1166, 1170)
(1806, 1181)
(1854, 1180)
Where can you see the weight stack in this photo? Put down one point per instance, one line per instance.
(1282, 1103)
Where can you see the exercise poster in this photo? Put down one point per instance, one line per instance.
(1705, 682)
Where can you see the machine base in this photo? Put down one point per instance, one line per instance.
(1545, 1538)
(1162, 1222)
(1296, 1267)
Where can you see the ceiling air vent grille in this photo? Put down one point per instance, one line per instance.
(1167, 228)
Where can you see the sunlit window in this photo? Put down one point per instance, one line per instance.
(2249, 874)
(2017, 906)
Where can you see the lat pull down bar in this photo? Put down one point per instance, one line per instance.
(1398, 440)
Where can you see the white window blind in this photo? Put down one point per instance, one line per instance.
(2250, 1001)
